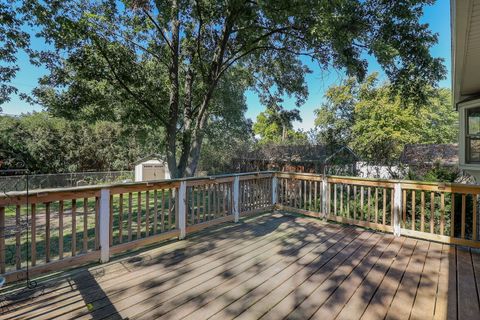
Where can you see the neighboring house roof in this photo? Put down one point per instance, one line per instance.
(298, 153)
(418, 154)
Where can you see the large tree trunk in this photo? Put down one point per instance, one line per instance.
(174, 97)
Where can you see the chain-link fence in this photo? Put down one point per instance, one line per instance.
(61, 180)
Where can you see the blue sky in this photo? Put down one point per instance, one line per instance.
(437, 16)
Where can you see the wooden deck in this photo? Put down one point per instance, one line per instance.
(268, 267)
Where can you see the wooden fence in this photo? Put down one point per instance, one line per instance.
(70, 227)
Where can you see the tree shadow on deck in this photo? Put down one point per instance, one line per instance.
(277, 267)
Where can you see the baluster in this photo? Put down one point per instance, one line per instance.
(147, 213)
(170, 209)
(18, 257)
(452, 217)
(474, 218)
(361, 203)
(384, 217)
(369, 194)
(462, 225)
(422, 211)
(162, 217)
(139, 215)
(155, 211)
(354, 202)
(85, 225)
(60, 229)
(413, 209)
(2, 240)
(432, 212)
(47, 232)
(335, 199)
(442, 213)
(74, 227)
(130, 215)
(192, 204)
(110, 220)
(33, 254)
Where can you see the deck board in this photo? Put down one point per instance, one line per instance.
(267, 267)
(466, 286)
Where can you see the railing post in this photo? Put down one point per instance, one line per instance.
(182, 209)
(324, 196)
(274, 190)
(104, 232)
(397, 208)
(236, 196)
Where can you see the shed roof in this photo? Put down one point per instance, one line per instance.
(152, 157)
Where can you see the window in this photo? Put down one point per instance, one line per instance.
(472, 136)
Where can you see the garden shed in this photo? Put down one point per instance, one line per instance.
(151, 168)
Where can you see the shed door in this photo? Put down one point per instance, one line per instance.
(153, 172)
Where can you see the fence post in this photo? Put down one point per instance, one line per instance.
(397, 208)
(104, 232)
(324, 196)
(182, 209)
(274, 190)
(236, 196)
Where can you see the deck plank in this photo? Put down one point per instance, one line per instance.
(324, 262)
(234, 302)
(446, 301)
(274, 297)
(360, 300)
(323, 290)
(405, 296)
(184, 251)
(132, 290)
(210, 305)
(205, 282)
(476, 268)
(193, 299)
(378, 306)
(145, 273)
(268, 267)
(376, 259)
(424, 305)
(468, 307)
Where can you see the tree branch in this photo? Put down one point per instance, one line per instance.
(159, 29)
(125, 86)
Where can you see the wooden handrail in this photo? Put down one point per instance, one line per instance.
(93, 222)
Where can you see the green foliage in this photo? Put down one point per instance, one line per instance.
(172, 63)
(365, 116)
(12, 39)
(275, 126)
(51, 145)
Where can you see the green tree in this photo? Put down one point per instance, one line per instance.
(172, 62)
(277, 126)
(377, 124)
(49, 144)
(12, 40)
